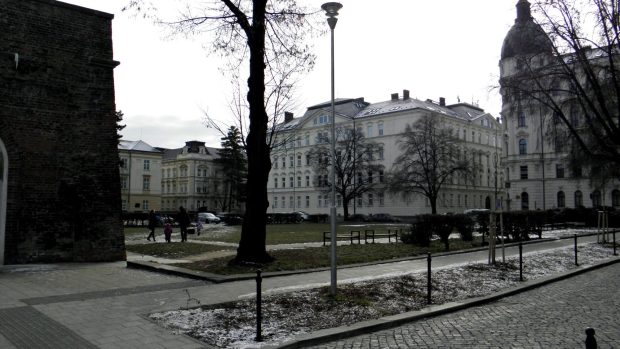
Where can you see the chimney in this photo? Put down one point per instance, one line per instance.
(442, 101)
(394, 96)
(405, 94)
(288, 116)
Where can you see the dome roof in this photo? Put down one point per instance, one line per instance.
(525, 37)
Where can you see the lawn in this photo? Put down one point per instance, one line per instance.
(318, 257)
(174, 249)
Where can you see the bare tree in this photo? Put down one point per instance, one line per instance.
(578, 82)
(358, 167)
(430, 158)
(270, 36)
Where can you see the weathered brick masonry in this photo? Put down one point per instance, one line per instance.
(58, 125)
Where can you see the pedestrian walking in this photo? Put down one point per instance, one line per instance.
(151, 226)
(198, 227)
(183, 223)
(167, 231)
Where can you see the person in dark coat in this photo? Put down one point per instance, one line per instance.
(152, 224)
(183, 223)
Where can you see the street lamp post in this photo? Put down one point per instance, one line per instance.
(331, 11)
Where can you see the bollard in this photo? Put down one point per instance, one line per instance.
(590, 340)
(428, 280)
(520, 261)
(259, 315)
(575, 237)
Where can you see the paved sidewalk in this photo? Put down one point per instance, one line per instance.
(104, 305)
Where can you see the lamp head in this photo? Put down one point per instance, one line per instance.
(331, 8)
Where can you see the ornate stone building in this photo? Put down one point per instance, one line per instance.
(141, 173)
(538, 175)
(59, 176)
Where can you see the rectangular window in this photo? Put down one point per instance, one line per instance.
(521, 119)
(381, 199)
(380, 129)
(299, 160)
(307, 201)
(275, 182)
(339, 200)
(299, 201)
(307, 181)
(146, 182)
(123, 163)
(290, 162)
(359, 201)
(283, 182)
(370, 200)
(523, 172)
(381, 176)
(275, 202)
(147, 165)
(381, 156)
(369, 131)
(307, 139)
(307, 160)
(145, 205)
(299, 141)
(124, 182)
(124, 205)
(298, 181)
(370, 177)
(283, 162)
(291, 182)
(291, 202)
(559, 171)
(320, 202)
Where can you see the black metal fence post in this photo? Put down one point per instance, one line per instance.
(575, 237)
(428, 280)
(520, 261)
(614, 241)
(259, 313)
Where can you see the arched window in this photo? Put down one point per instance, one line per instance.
(578, 198)
(522, 146)
(525, 201)
(615, 198)
(561, 199)
(487, 203)
(596, 198)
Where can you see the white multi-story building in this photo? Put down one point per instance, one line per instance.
(192, 178)
(140, 175)
(536, 161)
(293, 186)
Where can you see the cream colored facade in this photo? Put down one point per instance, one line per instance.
(191, 178)
(140, 175)
(536, 163)
(292, 185)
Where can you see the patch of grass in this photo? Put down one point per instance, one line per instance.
(318, 257)
(174, 249)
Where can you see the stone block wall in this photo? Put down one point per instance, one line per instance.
(57, 122)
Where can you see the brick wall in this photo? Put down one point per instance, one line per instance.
(57, 122)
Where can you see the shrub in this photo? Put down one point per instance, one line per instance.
(464, 225)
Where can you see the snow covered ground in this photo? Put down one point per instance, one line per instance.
(286, 315)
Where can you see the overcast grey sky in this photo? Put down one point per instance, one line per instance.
(447, 48)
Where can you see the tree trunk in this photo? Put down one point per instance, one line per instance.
(345, 209)
(252, 247)
(433, 201)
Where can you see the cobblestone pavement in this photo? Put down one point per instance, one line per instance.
(553, 316)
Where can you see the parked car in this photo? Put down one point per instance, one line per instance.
(382, 218)
(358, 217)
(303, 215)
(230, 218)
(207, 217)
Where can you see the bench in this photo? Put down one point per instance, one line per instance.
(352, 235)
(391, 233)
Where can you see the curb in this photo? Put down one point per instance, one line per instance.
(333, 334)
